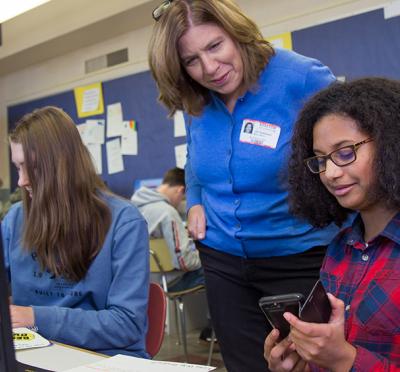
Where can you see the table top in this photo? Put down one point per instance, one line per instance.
(58, 357)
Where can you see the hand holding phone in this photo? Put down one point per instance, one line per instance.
(275, 306)
(316, 309)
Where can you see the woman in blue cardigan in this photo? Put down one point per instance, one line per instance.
(211, 61)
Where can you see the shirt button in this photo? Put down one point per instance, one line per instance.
(229, 152)
(237, 225)
(347, 308)
(237, 201)
(230, 180)
(365, 257)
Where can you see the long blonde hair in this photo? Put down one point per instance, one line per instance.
(177, 91)
(66, 220)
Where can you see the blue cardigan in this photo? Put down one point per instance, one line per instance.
(242, 186)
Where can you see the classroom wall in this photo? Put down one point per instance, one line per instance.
(57, 18)
(64, 73)
(67, 71)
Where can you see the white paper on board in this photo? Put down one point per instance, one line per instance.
(95, 152)
(115, 162)
(179, 124)
(129, 140)
(180, 155)
(91, 100)
(114, 120)
(94, 131)
(82, 132)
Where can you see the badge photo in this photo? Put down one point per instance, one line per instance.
(260, 133)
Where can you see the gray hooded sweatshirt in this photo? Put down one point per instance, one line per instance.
(165, 222)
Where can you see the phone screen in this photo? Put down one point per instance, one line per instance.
(317, 308)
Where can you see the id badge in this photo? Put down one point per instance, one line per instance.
(260, 133)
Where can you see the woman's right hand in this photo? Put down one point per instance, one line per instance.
(196, 223)
(281, 356)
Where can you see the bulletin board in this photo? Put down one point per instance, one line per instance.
(138, 96)
(353, 47)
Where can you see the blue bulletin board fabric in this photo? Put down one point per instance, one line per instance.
(138, 96)
(354, 47)
(357, 46)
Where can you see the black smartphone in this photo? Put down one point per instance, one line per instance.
(317, 308)
(274, 306)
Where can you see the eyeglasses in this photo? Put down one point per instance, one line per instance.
(341, 157)
(161, 9)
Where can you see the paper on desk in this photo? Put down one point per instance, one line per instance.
(123, 363)
(24, 338)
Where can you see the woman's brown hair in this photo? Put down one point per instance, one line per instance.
(67, 219)
(177, 90)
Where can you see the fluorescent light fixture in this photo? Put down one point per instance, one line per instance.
(11, 8)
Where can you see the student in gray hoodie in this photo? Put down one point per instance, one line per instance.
(159, 208)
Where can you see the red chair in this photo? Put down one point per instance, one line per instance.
(156, 313)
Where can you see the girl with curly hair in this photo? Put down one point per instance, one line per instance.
(345, 159)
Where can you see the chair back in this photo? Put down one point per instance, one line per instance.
(160, 257)
(156, 313)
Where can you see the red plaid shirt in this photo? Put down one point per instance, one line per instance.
(366, 276)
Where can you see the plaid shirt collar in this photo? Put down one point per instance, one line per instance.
(355, 237)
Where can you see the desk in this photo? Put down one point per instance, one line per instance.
(58, 357)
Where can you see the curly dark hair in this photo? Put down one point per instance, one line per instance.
(374, 104)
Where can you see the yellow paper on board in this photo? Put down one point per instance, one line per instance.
(89, 100)
(282, 40)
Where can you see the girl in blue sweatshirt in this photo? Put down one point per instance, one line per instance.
(77, 255)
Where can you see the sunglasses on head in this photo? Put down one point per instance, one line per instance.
(161, 9)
